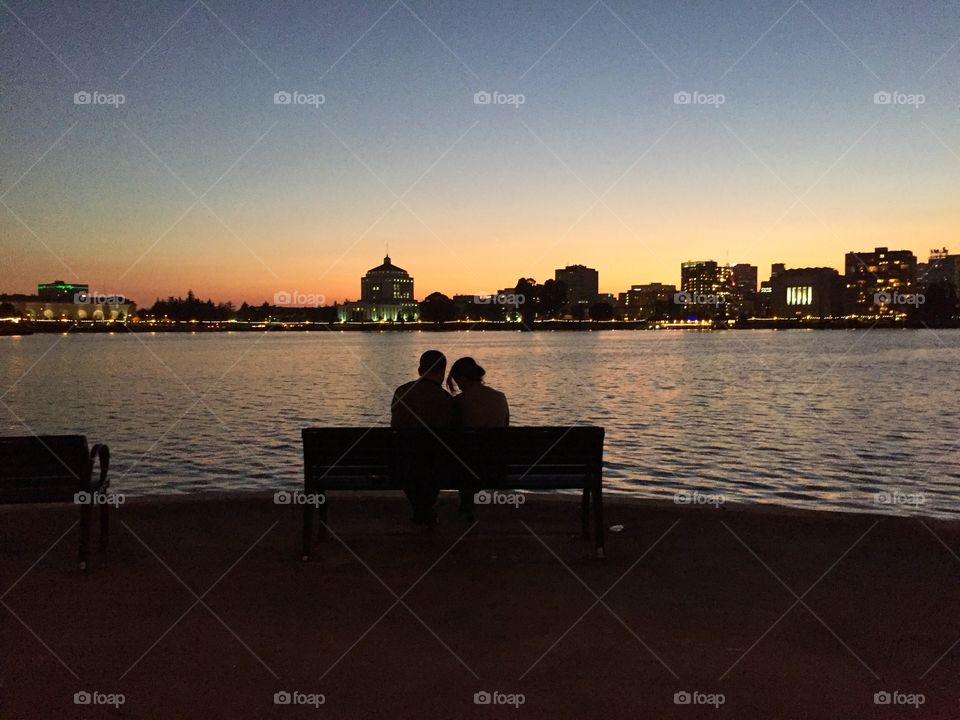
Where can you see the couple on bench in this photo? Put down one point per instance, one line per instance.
(465, 402)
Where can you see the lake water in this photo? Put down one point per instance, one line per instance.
(816, 419)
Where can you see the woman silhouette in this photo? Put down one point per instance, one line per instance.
(475, 405)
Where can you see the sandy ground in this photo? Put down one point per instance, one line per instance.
(202, 608)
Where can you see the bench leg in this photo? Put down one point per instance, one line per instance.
(104, 527)
(585, 513)
(85, 511)
(307, 530)
(322, 529)
(598, 528)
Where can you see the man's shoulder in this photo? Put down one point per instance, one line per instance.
(405, 387)
(423, 388)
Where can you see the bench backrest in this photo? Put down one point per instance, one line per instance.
(511, 458)
(46, 468)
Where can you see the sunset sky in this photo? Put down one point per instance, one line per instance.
(599, 165)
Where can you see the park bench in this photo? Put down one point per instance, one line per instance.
(57, 468)
(487, 459)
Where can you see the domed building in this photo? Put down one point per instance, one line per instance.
(386, 295)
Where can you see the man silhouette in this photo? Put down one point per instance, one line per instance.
(423, 403)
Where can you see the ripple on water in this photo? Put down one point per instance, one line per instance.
(822, 420)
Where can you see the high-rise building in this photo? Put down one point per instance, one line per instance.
(874, 276)
(705, 276)
(583, 284)
(743, 300)
(941, 267)
(764, 303)
(745, 277)
(386, 294)
(706, 288)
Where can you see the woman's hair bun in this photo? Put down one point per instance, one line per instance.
(467, 368)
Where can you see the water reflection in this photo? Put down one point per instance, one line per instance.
(816, 419)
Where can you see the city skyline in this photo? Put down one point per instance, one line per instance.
(257, 149)
(492, 288)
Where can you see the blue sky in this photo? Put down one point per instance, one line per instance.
(599, 164)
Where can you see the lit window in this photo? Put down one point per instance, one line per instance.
(800, 295)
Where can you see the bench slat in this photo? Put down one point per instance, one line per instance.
(345, 458)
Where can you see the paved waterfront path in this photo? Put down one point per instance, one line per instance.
(399, 623)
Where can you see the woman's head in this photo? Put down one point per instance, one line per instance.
(464, 373)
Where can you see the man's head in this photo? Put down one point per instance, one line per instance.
(433, 365)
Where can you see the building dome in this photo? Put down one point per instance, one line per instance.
(386, 283)
(386, 294)
(388, 267)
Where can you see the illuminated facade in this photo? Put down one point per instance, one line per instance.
(869, 274)
(60, 291)
(707, 279)
(650, 301)
(386, 295)
(799, 295)
(36, 309)
(807, 293)
(72, 302)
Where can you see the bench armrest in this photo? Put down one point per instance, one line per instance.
(101, 453)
